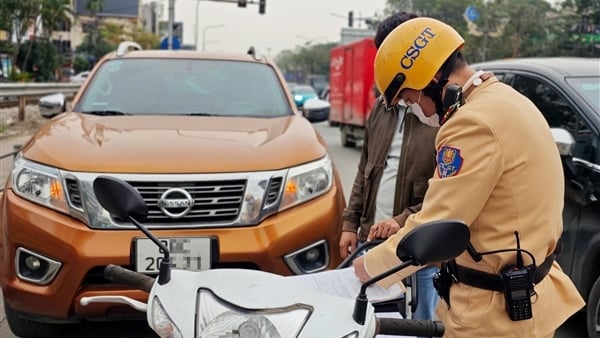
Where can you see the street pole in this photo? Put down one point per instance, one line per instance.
(196, 28)
(171, 22)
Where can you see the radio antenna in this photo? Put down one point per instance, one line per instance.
(519, 254)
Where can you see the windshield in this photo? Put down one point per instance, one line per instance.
(185, 87)
(589, 88)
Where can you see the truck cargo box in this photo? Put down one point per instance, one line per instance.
(352, 88)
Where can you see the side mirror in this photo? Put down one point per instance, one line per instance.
(316, 110)
(434, 242)
(119, 198)
(52, 105)
(564, 141)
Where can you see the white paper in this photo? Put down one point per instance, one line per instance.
(344, 283)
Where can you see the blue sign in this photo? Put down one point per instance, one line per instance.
(164, 43)
(472, 13)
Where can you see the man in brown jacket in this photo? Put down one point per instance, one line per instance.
(498, 171)
(397, 159)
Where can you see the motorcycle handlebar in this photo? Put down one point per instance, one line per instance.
(118, 274)
(409, 327)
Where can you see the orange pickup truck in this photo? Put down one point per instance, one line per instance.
(233, 174)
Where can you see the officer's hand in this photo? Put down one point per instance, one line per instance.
(347, 243)
(383, 229)
(359, 269)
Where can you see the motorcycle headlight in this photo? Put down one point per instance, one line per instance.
(218, 318)
(39, 183)
(162, 323)
(307, 181)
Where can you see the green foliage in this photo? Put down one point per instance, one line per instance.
(43, 60)
(95, 48)
(307, 59)
(80, 64)
(515, 28)
(20, 77)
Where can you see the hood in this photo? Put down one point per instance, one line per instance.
(173, 144)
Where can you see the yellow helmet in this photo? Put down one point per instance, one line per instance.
(412, 54)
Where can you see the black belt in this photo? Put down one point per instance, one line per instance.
(488, 281)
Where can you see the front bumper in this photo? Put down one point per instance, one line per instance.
(81, 251)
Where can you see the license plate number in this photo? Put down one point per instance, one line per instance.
(193, 254)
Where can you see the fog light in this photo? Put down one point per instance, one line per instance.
(33, 263)
(312, 258)
(35, 268)
(312, 255)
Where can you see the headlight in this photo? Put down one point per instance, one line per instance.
(307, 181)
(162, 323)
(298, 98)
(39, 183)
(218, 318)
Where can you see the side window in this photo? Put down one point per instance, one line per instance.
(559, 114)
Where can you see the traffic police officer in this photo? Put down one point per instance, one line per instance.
(498, 170)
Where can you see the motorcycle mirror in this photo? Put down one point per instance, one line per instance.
(434, 242)
(427, 243)
(120, 199)
(124, 202)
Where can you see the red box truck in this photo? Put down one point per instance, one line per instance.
(352, 88)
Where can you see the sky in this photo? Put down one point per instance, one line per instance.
(285, 25)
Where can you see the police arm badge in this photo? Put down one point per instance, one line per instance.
(449, 161)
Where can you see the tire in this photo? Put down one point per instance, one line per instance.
(593, 311)
(26, 328)
(347, 141)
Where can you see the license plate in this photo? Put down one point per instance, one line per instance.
(193, 254)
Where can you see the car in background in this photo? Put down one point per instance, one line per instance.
(567, 92)
(233, 175)
(325, 94)
(302, 93)
(80, 77)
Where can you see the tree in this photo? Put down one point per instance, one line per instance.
(305, 60)
(115, 34)
(44, 59)
(53, 14)
(16, 17)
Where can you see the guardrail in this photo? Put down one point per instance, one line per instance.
(12, 155)
(24, 90)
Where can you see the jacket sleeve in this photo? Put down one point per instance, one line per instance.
(355, 206)
(470, 162)
(401, 218)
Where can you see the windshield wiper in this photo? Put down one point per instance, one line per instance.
(105, 112)
(200, 114)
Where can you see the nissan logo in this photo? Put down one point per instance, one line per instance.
(175, 202)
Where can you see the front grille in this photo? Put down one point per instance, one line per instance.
(273, 191)
(73, 192)
(213, 201)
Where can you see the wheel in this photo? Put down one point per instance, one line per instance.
(593, 311)
(26, 328)
(347, 140)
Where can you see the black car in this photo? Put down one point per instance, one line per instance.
(567, 92)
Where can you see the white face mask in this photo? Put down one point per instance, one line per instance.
(432, 121)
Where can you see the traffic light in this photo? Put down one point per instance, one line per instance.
(350, 19)
(242, 3)
(261, 6)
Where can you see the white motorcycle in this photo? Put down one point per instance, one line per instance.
(249, 303)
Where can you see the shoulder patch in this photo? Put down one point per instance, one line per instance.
(449, 161)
